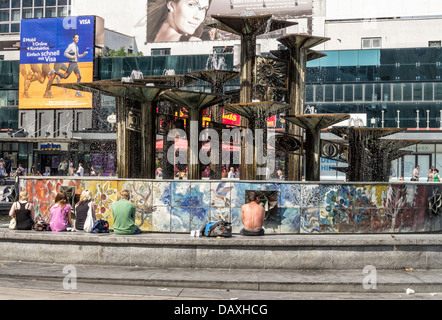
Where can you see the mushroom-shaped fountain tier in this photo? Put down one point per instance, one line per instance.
(370, 155)
(248, 27)
(257, 113)
(313, 124)
(217, 79)
(195, 102)
(136, 134)
(135, 114)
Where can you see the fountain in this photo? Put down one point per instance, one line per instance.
(370, 156)
(268, 86)
(314, 124)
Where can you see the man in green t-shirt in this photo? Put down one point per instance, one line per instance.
(123, 212)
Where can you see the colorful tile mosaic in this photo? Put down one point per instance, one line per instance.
(182, 206)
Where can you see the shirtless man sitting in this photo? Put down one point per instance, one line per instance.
(252, 215)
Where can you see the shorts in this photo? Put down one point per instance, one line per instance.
(252, 233)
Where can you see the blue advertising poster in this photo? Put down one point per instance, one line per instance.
(56, 50)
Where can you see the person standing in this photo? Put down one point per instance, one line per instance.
(231, 174)
(415, 176)
(62, 167)
(80, 170)
(436, 177)
(8, 166)
(2, 167)
(21, 172)
(23, 212)
(70, 168)
(123, 212)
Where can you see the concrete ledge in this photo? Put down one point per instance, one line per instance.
(309, 252)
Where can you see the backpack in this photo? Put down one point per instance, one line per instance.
(41, 225)
(100, 226)
(217, 229)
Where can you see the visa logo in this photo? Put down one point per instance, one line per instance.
(85, 21)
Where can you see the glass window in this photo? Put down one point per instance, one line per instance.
(319, 93)
(4, 4)
(339, 94)
(407, 93)
(377, 92)
(348, 93)
(428, 91)
(331, 60)
(4, 28)
(15, 27)
(38, 3)
(27, 3)
(62, 12)
(438, 91)
(51, 3)
(329, 93)
(15, 15)
(359, 89)
(11, 97)
(15, 3)
(51, 13)
(3, 98)
(417, 92)
(348, 58)
(4, 15)
(27, 13)
(309, 89)
(386, 92)
(368, 92)
(38, 13)
(397, 92)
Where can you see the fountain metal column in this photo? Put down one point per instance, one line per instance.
(257, 113)
(248, 28)
(195, 102)
(313, 124)
(370, 156)
(217, 79)
(298, 45)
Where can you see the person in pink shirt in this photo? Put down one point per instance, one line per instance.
(60, 214)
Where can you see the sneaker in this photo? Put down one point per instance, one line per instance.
(48, 95)
(51, 73)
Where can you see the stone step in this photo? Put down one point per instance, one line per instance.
(297, 252)
(354, 281)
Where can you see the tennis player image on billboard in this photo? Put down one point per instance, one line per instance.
(186, 20)
(55, 51)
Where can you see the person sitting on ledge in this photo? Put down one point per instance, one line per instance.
(252, 215)
(123, 212)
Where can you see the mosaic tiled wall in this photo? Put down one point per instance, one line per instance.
(182, 206)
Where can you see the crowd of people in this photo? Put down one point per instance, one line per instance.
(433, 175)
(65, 168)
(61, 214)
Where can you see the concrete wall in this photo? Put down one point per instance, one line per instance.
(303, 208)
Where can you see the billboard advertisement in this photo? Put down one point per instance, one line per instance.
(185, 20)
(56, 50)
